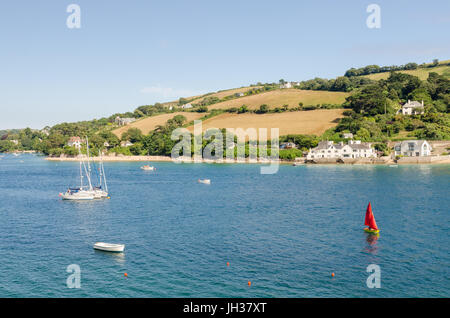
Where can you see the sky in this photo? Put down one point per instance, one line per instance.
(132, 53)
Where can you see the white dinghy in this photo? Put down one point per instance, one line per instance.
(204, 181)
(109, 247)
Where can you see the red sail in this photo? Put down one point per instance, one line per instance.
(370, 219)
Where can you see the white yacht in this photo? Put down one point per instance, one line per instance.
(89, 191)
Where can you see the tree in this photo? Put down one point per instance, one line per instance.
(371, 100)
(243, 109)
(133, 135)
(263, 109)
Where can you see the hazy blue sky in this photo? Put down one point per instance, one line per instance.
(131, 53)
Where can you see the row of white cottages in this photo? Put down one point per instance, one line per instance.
(354, 149)
(358, 149)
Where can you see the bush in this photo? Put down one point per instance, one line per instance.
(290, 154)
(243, 109)
(309, 107)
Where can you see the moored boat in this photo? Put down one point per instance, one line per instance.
(148, 168)
(204, 181)
(109, 247)
(77, 194)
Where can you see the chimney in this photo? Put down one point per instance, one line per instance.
(409, 102)
(422, 102)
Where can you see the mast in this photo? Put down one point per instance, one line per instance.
(81, 172)
(88, 173)
(103, 172)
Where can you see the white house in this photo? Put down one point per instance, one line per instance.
(286, 85)
(347, 135)
(126, 143)
(413, 148)
(14, 141)
(75, 142)
(330, 150)
(124, 121)
(239, 95)
(186, 106)
(411, 108)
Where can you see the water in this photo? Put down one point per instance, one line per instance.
(286, 233)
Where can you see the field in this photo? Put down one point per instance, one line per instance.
(278, 98)
(313, 122)
(421, 73)
(148, 124)
(222, 94)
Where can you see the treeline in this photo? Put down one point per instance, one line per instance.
(340, 84)
(372, 69)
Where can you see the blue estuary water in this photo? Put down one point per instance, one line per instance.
(286, 233)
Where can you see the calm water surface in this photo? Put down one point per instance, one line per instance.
(286, 233)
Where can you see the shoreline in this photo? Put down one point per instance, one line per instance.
(360, 161)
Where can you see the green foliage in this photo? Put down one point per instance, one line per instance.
(372, 69)
(202, 109)
(303, 142)
(290, 154)
(7, 146)
(243, 109)
(133, 135)
(262, 109)
(121, 151)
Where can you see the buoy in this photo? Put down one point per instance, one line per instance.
(108, 197)
(228, 263)
(332, 274)
(249, 283)
(125, 274)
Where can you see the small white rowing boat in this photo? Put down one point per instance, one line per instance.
(148, 168)
(204, 181)
(108, 247)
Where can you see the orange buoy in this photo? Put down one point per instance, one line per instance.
(332, 274)
(228, 263)
(249, 283)
(125, 274)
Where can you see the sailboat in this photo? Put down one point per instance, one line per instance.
(98, 191)
(370, 221)
(88, 192)
(83, 192)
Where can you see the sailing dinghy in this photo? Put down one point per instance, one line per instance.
(369, 221)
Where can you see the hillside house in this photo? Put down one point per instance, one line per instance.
(412, 148)
(347, 135)
(239, 95)
(124, 121)
(126, 143)
(75, 142)
(288, 145)
(187, 106)
(412, 108)
(286, 85)
(330, 150)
